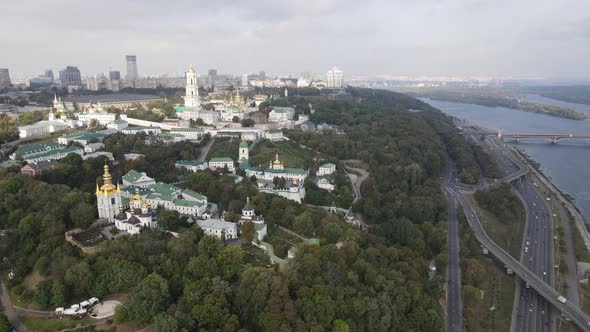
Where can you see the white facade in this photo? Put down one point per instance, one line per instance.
(141, 129)
(218, 228)
(137, 179)
(222, 163)
(192, 165)
(102, 118)
(326, 169)
(41, 128)
(108, 197)
(335, 78)
(274, 135)
(281, 114)
(54, 154)
(93, 147)
(323, 183)
(191, 98)
(118, 125)
(193, 134)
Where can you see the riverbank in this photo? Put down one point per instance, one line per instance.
(579, 220)
(495, 98)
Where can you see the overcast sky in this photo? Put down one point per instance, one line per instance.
(540, 38)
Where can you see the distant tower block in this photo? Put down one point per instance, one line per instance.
(191, 99)
(286, 92)
(132, 74)
(499, 135)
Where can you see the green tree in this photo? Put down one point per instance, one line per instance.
(148, 298)
(168, 219)
(247, 231)
(166, 323)
(4, 323)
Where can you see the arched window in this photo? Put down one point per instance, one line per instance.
(113, 200)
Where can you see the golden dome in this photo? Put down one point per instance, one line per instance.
(137, 196)
(107, 186)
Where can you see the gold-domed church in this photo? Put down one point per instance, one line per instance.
(108, 197)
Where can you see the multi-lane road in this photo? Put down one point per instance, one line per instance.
(535, 302)
(532, 312)
(454, 286)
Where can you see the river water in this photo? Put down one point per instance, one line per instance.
(565, 163)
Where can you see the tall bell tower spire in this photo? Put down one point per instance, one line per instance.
(191, 98)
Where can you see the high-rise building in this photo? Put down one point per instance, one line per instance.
(191, 99)
(4, 78)
(244, 80)
(262, 75)
(212, 76)
(132, 74)
(114, 75)
(70, 77)
(49, 74)
(335, 78)
(42, 81)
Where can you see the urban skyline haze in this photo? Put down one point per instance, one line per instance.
(525, 38)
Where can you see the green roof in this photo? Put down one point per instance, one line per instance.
(286, 170)
(259, 227)
(189, 163)
(221, 159)
(198, 129)
(313, 241)
(243, 144)
(193, 194)
(42, 164)
(282, 109)
(327, 165)
(141, 128)
(119, 121)
(58, 151)
(76, 134)
(179, 109)
(38, 148)
(164, 189)
(90, 136)
(184, 202)
(10, 163)
(132, 176)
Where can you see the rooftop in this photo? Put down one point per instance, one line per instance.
(215, 223)
(189, 163)
(141, 128)
(193, 194)
(111, 98)
(132, 176)
(37, 148)
(198, 130)
(58, 151)
(221, 159)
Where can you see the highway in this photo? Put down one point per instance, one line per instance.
(533, 313)
(454, 286)
(537, 273)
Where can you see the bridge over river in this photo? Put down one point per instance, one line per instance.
(554, 137)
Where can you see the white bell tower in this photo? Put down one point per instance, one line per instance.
(191, 99)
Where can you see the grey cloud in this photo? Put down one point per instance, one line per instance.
(423, 37)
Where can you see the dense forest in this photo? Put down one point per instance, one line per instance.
(354, 280)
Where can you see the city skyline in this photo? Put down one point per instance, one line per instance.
(425, 38)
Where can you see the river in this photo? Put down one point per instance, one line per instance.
(565, 163)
